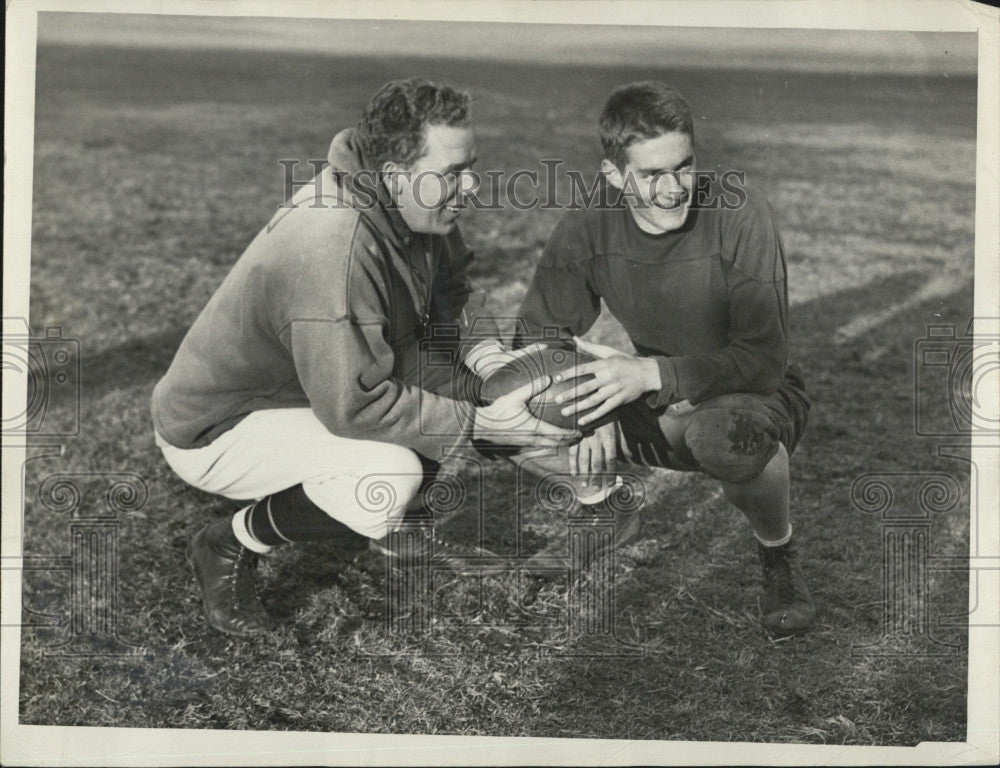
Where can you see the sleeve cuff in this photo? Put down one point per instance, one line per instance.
(668, 384)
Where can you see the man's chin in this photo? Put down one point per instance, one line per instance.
(446, 227)
(668, 221)
(450, 223)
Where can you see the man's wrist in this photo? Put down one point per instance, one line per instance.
(483, 441)
(666, 389)
(651, 374)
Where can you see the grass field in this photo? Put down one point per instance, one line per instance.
(153, 171)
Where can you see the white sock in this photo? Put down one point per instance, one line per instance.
(780, 542)
(242, 532)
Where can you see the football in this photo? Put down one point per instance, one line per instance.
(545, 362)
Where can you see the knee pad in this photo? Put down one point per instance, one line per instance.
(732, 444)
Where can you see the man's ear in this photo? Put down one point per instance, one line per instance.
(612, 174)
(393, 176)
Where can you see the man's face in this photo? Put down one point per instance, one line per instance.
(657, 182)
(430, 192)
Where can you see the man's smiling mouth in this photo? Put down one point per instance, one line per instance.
(677, 203)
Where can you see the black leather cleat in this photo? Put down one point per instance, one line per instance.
(787, 606)
(226, 573)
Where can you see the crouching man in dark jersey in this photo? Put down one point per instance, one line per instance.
(701, 291)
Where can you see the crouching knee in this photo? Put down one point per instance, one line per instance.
(732, 444)
(373, 498)
(393, 483)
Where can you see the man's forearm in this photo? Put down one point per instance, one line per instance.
(700, 377)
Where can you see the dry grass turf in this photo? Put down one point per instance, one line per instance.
(153, 171)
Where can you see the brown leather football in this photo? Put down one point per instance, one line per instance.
(544, 362)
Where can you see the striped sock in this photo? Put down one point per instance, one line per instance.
(290, 516)
(241, 530)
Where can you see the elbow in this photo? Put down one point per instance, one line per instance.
(361, 418)
(335, 420)
(770, 373)
(343, 421)
(761, 370)
(772, 381)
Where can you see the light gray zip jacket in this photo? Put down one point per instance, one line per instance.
(326, 308)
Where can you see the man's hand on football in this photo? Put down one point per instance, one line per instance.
(616, 379)
(596, 454)
(600, 351)
(507, 421)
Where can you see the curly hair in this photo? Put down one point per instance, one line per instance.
(393, 126)
(639, 111)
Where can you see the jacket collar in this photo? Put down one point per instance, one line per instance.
(347, 157)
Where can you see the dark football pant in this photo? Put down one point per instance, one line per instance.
(731, 437)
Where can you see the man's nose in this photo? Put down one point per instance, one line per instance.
(668, 186)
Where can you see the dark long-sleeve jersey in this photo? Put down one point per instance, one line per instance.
(708, 301)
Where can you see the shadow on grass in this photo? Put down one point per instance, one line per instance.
(139, 363)
(136, 364)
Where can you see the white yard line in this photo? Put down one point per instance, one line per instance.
(939, 286)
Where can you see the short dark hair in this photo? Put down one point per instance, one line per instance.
(639, 111)
(393, 126)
